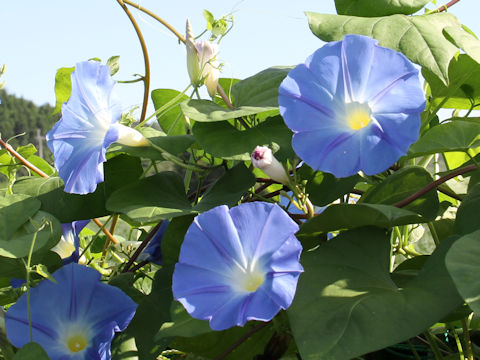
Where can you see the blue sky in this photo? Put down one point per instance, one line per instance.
(39, 37)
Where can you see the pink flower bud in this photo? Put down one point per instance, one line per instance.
(263, 159)
(202, 63)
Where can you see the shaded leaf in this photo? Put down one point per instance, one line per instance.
(15, 210)
(151, 199)
(466, 220)
(401, 185)
(355, 294)
(228, 189)
(463, 266)
(64, 206)
(458, 135)
(463, 90)
(173, 238)
(224, 141)
(324, 188)
(349, 216)
(31, 351)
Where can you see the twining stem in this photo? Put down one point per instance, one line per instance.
(434, 184)
(20, 158)
(142, 246)
(444, 7)
(158, 18)
(181, 38)
(105, 231)
(433, 345)
(112, 230)
(146, 78)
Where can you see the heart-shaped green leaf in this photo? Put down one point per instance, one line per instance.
(418, 37)
(378, 7)
(224, 141)
(463, 266)
(148, 200)
(347, 304)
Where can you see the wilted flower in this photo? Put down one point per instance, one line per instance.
(238, 265)
(76, 318)
(202, 63)
(153, 251)
(263, 159)
(353, 106)
(89, 125)
(68, 246)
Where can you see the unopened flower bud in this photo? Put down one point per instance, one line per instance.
(263, 159)
(130, 137)
(202, 63)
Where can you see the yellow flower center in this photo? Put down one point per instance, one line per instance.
(252, 281)
(77, 342)
(358, 119)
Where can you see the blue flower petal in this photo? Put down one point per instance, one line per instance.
(79, 140)
(245, 252)
(356, 56)
(331, 151)
(359, 109)
(267, 227)
(203, 236)
(77, 303)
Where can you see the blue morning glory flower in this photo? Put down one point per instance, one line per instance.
(238, 264)
(89, 125)
(76, 318)
(353, 105)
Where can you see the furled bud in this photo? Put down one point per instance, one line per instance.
(263, 159)
(130, 137)
(202, 63)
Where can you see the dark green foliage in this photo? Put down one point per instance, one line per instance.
(18, 116)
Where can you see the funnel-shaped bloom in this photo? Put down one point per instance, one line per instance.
(202, 63)
(76, 318)
(89, 125)
(238, 265)
(352, 106)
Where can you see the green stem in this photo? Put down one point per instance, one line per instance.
(457, 341)
(146, 78)
(412, 348)
(435, 237)
(466, 338)
(29, 269)
(433, 345)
